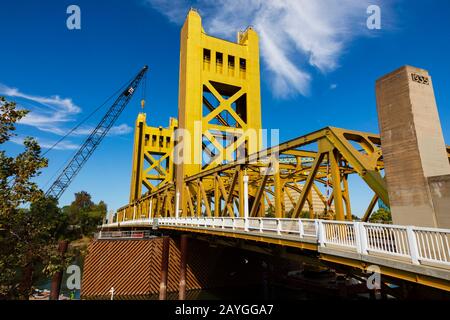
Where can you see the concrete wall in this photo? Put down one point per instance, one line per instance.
(413, 145)
(440, 195)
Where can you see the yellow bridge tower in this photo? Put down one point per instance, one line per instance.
(219, 100)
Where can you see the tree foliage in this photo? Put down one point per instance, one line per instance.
(381, 216)
(16, 173)
(30, 222)
(84, 215)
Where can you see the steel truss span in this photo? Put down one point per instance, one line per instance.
(307, 175)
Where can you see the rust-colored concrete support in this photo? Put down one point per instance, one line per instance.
(57, 277)
(164, 268)
(183, 259)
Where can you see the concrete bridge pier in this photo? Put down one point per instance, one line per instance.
(164, 268)
(183, 259)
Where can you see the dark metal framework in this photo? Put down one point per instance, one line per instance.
(90, 144)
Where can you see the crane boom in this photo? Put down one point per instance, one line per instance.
(93, 140)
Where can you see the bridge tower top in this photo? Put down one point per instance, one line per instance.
(219, 98)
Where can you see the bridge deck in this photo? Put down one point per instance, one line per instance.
(415, 254)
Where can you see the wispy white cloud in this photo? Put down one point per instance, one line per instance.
(86, 130)
(54, 102)
(46, 144)
(46, 113)
(120, 130)
(52, 114)
(296, 36)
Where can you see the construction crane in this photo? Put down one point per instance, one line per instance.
(95, 137)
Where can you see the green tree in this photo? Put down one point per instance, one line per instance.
(83, 201)
(381, 216)
(16, 173)
(27, 236)
(84, 215)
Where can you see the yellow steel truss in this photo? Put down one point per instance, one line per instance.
(304, 165)
(152, 157)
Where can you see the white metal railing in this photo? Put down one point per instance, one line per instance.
(433, 244)
(416, 244)
(389, 239)
(123, 235)
(338, 233)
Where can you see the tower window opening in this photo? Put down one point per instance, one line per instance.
(206, 55)
(206, 59)
(231, 63)
(242, 67)
(219, 57)
(242, 64)
(219, 62)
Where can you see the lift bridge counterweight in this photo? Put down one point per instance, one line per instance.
(76, 163)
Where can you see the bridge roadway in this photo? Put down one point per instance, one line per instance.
(416, 254)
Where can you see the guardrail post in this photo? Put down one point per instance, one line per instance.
(412, 243)
(301, 228)
(233, 223)
(363, 238)
(316, 228)
(278, 226)
(223, 222)
(358, 229)
(320, 233)
(260, 225)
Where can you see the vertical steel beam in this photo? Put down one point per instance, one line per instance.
(346, 197)
(216, 197)
(278, 190)
(138, 159)
(337, 186)
(199, 199)
(241, 193)
(245, 191)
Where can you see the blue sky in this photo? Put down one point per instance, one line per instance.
(319, 65)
